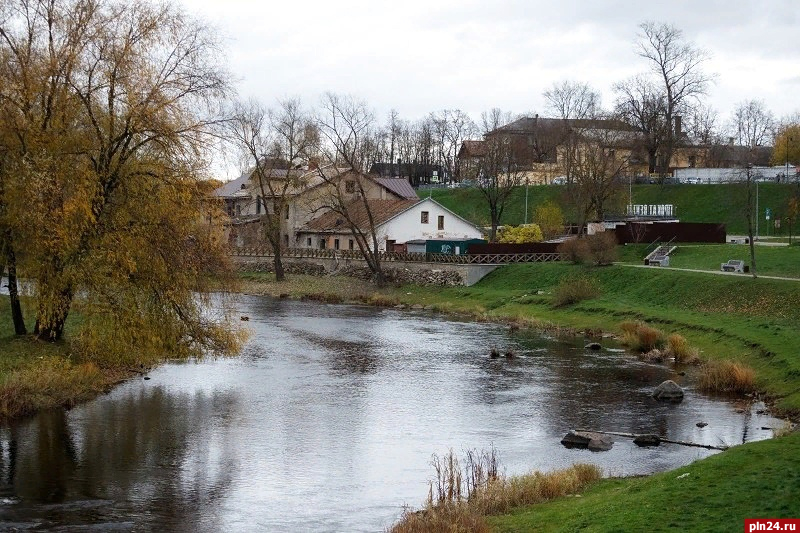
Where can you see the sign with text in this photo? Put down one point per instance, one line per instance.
(655, 210)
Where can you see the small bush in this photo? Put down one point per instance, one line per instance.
(641, 338)
(680, 351)
(574, 250)
(727, 376)
(521, 234)
(572, 291)
(602, 248)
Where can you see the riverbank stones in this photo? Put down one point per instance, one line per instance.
(669, 391)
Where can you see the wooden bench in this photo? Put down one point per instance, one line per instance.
(733, 265)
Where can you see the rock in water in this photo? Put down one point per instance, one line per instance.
(590, 440)
(593, 346)
(647, 440)
(669, 391)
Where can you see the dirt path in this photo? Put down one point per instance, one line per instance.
(718, 272)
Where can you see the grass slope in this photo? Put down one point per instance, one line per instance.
(758, 480)
(781, 261)
(693, 203)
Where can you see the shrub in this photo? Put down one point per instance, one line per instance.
(521, 234)
(680, 351)
(727, 376)
(602, 248)
(574, 290)
(550, 219)
(640, 337)
(575, 250)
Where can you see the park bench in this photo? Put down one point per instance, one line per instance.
(733, 265)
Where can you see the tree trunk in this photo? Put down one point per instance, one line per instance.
(279, 273)
(13, 291)
(53, 312)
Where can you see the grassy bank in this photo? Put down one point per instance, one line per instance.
(761, 479)
(36, 375)
(693, 203)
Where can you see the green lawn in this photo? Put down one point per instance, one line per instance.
(758, 480)
(770, 260)
(693, 203)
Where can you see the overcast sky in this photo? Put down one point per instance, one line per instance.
(418, 56)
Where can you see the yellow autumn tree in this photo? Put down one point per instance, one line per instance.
(109, 109)
(550, 219)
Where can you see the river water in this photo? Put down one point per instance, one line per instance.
(328, 420)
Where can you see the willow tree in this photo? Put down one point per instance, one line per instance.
(112, 109)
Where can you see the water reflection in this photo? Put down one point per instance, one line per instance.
(327, 423)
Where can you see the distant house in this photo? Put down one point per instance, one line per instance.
(416, 173)
(542, 147)
(306, 193)
(396, 222)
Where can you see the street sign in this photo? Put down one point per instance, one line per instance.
(768, 213)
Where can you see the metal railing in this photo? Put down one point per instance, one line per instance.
(419, 257)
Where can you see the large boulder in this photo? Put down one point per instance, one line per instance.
(669, 391)
(590, 440)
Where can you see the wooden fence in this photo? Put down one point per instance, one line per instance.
(411, 257)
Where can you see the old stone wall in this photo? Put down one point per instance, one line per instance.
(395, 271)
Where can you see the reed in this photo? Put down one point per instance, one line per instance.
(642, 338)
(727, 376)
(459, 500)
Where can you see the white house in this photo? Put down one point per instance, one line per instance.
(396, 222)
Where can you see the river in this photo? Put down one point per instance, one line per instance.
(327, 422)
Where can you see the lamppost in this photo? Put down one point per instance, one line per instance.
(526, 198)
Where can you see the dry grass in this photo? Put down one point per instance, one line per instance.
(642, 338)
(47, 382)
(459, 500)
(505, 493)
(680, 351)
(727, 376)
(456, 518)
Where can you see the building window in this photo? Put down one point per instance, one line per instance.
(238, 210)
(350, 186)
(335, 244)
(286, 216)
(308, 242)
(441, 222)
(352, 245)
(286, 241)
(424, 217)
(692, 161)
(258, 205)
(322, 244)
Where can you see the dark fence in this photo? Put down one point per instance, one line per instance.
(506, 248)
(638, 232)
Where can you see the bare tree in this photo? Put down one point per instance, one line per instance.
(498, 174)
(702, 125)
(572, 100)
(271, 142)
(657, 104)
(347, 134)
(753, 124)
(451, 127)
(678, 65)
(596, 168)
